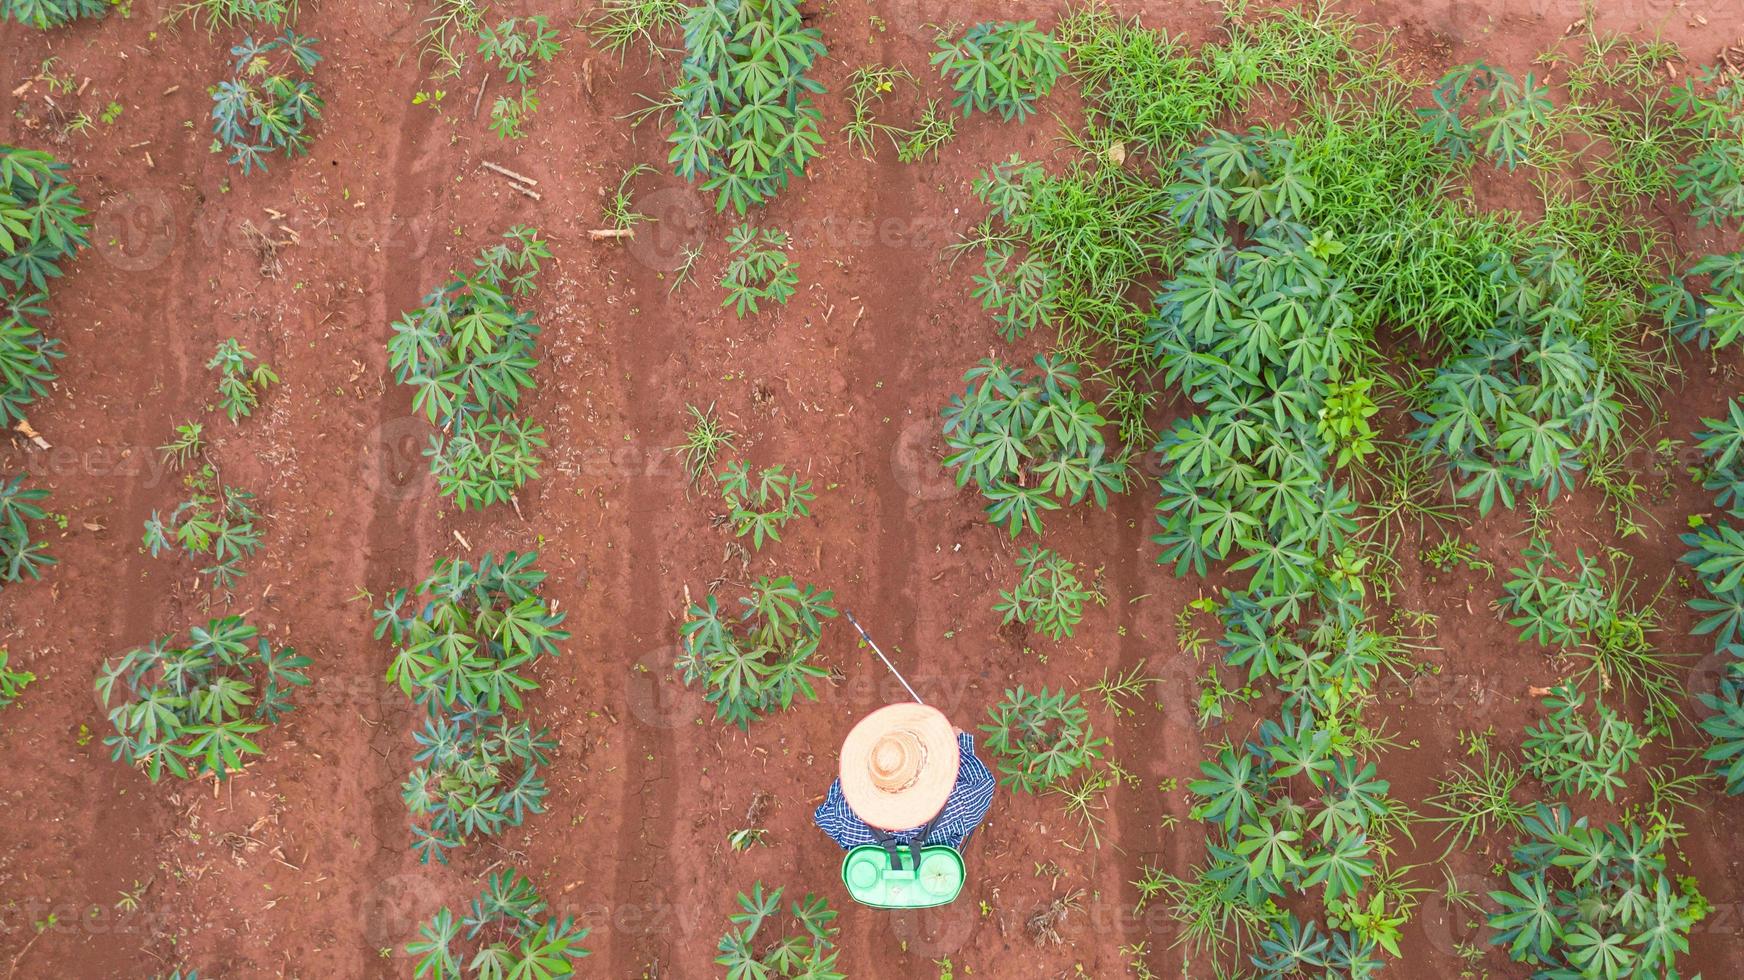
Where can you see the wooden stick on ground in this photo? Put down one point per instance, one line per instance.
(606, 234)
(506, 172)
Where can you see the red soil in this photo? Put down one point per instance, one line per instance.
(301, 866)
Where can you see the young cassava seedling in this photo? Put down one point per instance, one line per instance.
(269, 101)
(758, 269)
(516, 46)
(1048, 594)
(762, 508)
(1003, 67)
(215, 523)
(757, 948)
(19, 554)
(505, 934)
(1041, 738)
(12, 682)
(239, 386)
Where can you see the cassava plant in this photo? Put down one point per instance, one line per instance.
(1262, 336)
(468, 355)
(44, 14)
(1711, 317)
(762, 508)
(239, 386)
(761, 659)
(1585, 610)
(1030, 444)
(196, 707)
(1582, 902)
(1513, 410)
(1710, 105)
(1483, 104)
(506, 934)
(19, 510)
(517, 46)
(12, 682)
(758, 269)
(744, 121)
(40, 229)
(269, 101)
(1572, 754)
(1003, 67)
(1717, 556)
(1549, 608)
(215, 524)
(757, 948)
(1041, 738)
(1725, 727)
(464, 639)
(1048, 594)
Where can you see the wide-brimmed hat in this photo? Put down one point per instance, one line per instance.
(898, 766)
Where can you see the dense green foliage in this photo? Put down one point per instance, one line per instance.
(465, 639)
(215, 524)
(1281, 253)
(19, 554)
(1030, 444)
(744, 119)
(504, 935)
(1002, 67)
(44, 14)
(269, 101)
(761, 659)
(195, 708)
(1267, 842)
(1517, 407)
(806, 953)
(1041, 738)
(40, 229)
(1589, 903)
(468, 354)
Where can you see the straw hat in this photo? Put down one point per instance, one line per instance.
(898, 766)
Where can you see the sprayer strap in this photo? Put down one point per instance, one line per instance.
(891, 844)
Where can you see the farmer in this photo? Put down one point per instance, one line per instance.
(906, 773)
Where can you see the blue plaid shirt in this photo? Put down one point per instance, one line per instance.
(964, 808)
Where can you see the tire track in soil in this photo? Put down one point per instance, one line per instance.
(395, 542)
(647, 821)
(886, 366)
